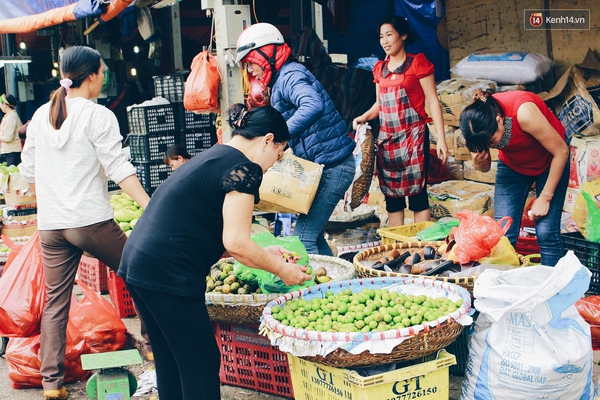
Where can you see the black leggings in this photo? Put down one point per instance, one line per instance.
(186, 354)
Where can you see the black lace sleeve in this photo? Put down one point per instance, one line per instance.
(244, 178)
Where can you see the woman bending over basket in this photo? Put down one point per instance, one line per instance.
(531, 148)
(194, 216)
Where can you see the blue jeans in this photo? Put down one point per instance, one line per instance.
(509, 200)
(311, 227)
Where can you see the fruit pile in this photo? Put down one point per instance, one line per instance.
(367, 311)
(127, 211)
(223, 280)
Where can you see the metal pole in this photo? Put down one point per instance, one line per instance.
(10, 76)
(176, 37)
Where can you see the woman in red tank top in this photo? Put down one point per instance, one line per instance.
(531, 148)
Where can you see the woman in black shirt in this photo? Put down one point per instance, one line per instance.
(203, 209)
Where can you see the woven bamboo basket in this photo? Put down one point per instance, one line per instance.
(417, 341)
(375, 253)
(248, 308)
(361, 186)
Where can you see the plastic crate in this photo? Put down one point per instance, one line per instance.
(112, 186)
(589, 255)
(248, 360)
(148, 119)
(119, 295)
(151, 146)
(170, 87)
(196, 141)
(460, 349)
(198, 121)
(527, 245)
(190, 120)
(403, 233)
(92, 273)
(152, 174)
(428, 380)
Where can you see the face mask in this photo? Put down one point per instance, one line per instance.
(106, 77)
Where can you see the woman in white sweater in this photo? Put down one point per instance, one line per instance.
(72, 149)
(10, 144)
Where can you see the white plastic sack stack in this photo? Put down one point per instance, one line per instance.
(513, 68)
(530, 341)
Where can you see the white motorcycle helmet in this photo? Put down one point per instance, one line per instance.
(256, 36)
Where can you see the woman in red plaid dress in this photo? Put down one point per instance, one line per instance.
(404, 83)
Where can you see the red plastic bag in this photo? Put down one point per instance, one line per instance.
(589, 309)
(438, 172)
(23, 292)
(201, 93)
(477, 235)
(14, 250)
(23, 361)
(98, 321)
(525, 220)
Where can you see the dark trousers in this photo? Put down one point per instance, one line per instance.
(11, 158)
(186, 354)
(61, 253)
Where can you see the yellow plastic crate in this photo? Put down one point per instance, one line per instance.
(427, 381)
(403, 233)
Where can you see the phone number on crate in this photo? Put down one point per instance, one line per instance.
(415, 394)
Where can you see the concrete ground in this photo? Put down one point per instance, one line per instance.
(77, 390)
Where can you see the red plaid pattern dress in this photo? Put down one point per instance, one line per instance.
(401, 140)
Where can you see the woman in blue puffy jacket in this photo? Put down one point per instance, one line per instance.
(317, 131)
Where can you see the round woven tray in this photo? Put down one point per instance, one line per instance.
(247, 308)
(375, 253)
(420, 345)
(418, 340)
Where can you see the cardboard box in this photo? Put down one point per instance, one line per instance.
(290, 185)
(473, 174)
(462, 153)
(18, 230)
(585, 161)
(16, 191)
(456, 169)
(449, 136)
(448, 198)
(456, 94)
(576, 98)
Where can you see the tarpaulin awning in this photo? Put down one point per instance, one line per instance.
(21, 16)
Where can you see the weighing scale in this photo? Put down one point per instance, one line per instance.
(112, 381)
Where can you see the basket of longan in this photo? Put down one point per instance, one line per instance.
(230, 299)
(369, 321)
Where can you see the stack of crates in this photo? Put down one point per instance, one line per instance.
(152, 129)
(196, 132)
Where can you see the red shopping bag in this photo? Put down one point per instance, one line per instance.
(23, 292)
(477, 235)
(201, 92)
(98, 321)
(23, 361)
